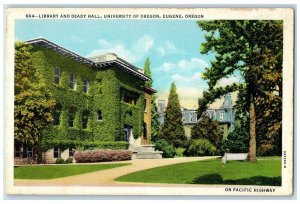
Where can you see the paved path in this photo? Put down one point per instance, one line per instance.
(106, 177)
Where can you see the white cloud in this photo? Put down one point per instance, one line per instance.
(167, 66)
(168, 48)
(143, 44)
(192, 64)
(161, 51)
(132, 53)
(186, 67)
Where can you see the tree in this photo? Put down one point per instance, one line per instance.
(172, 129)
(209, 129)
(147, 72)
(249, 47)
(237, 141)
(154, 115)
(32, 106)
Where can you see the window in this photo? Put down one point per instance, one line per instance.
(72, 81)
(221, 116)
(99, 86)
(71, 152)
(129, 99)
(70, 121)
(99, 115)
(56, 118)
(71, 117)
(56, 152)
(56, 75)
(29, 152)
(85, 85)
(85, 116)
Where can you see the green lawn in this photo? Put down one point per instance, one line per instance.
(267, 171)
(58, 171)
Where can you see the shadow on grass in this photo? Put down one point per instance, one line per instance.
(256, 180)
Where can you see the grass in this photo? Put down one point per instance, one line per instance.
(266, 171)
(58, 171)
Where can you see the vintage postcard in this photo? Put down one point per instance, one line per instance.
(149, 101)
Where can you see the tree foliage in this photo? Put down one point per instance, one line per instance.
(33, 104)
(254, 50)
(147, 72)
(155, 126)
(209, 129)
(237, 141)
(172, 129)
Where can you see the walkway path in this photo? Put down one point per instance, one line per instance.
(106, 177)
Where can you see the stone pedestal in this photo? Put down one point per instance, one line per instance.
(146, 152)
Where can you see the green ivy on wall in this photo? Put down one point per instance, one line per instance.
(104, 94)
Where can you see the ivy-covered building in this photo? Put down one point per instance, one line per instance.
(102, 102)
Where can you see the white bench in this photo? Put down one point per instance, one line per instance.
(234, 156)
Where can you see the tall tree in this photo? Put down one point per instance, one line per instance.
(147, 72)
(244, 46)
(209, 129)
(154, 114)
(32, 106)
(172, 129)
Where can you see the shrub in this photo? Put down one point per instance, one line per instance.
(201, 147)
(237, 141)
(179, 152)
(59, 161)
(266, 150)
(69, 160)
(168, 149)
(101, 155)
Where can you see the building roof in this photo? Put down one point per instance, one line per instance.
(112, 59)
(150, 90)
(97, 61)
(217, 104)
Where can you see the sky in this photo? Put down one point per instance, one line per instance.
(173, 47)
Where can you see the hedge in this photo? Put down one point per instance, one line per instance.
(86, 145)
(101, 155)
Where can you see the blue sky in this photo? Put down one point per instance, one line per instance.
(172, 46)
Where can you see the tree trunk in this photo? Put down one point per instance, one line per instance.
(252, 145)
